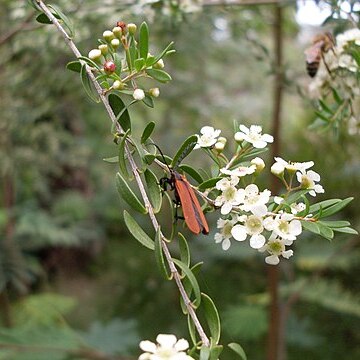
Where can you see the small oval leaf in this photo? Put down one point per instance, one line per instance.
(74, 66)
(209, 183)
(154, 190)
(238, 350)
(144, 40)
(119, 108)
(137, 232)
(184, 250)
(185, 149)
(159, 75)
(128, 195)
(159, 256)
(212, 317)
(88, 86)
(121, 158)
(147, 131)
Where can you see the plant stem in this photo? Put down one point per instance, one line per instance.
(136, 172)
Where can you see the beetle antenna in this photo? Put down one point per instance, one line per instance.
(162, 155)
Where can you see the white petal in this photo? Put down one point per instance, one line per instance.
(218, 238)
(145, 356)
(251, 189)
(182, 345)
(259, 210)
(272, 260)
(148, 346)
(257, 241)
(295, 227)
(244, 129)
(166, 340)
(259, 144)
(239, 232)
(319, 189)
(287, 254)
(206, 130)
(226, 244)
(313, 175)
(226, 208)
(268, 138)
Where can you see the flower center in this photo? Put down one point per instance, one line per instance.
(226, 231)
(276, 247)
(284, 226)
(229, 193)
(254, 225)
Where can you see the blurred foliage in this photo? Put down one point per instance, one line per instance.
(63, 226)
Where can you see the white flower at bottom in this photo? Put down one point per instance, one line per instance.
(276, 248)
(284, 225)
(208, 137)
(167, 348)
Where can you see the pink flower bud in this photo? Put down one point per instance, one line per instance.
(109, 67)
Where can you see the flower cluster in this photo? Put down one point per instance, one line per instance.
(248, 213)
(339, 71)
(167, 348)
(120, 60)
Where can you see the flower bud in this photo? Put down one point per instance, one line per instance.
(159, 65)
(291, 168)
(118, 85)
(117, 31)
(138, 94)
(259, 163)
(239, 137)
(154, 92)
(109, 67)
(219, 146)
(95, 54)
(122, 25)
(115, 43)
(277, 169)
(108, 35)
(132, 28)
(222, 139)
(103, 48)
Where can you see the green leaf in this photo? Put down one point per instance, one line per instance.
(139, 64)
(194, 284)
(121, 157)
(133, 52)
(212, 317)
(346, 230)
(43, 19)
(137, 232)
(334, 224)
(111, 160)
(325, 107)
(140, 151)
(159, 256)
(128, 195)
(92, 64)
(148, 101)
(118, 63)
(311, 226)
(119, 108)
(74, 66)
(184, 250)
(88, 86)
(159, 75)
(295, 196)
(204, 353)
(238, 350)
(66, 21)
(192, 172)
(161, 55)
(325, 231)
(185, 149)
(322, 204)
(215, 351)
(209, 183)
(336, 207)
(144, 40)
(192, 330)
(147, 131)
(154, 190)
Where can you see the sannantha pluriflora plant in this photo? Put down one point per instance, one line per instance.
(337, 83)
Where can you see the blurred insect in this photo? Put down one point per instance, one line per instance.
(321, 44)
(186, 198)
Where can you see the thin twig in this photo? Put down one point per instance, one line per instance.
(135, 171)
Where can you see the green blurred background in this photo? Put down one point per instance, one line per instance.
(71, 274)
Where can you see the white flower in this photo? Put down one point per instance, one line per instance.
(280, 165)
(297, 208)
(94, 54)
(208, 137)
(284, 225)
(138, 94)
(167, 348)
(307, 180)
(348, 36)
(255, 201)
(275, 247)
(230, 196)
(259, 163)
(253, 226)
(253, 136)
(239, 171)
(348, 62)
(224, 235)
